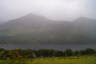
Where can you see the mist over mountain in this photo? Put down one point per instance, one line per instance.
(34, 30)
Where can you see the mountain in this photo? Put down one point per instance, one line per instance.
(35, 30)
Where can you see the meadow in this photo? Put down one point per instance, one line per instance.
(86, 59)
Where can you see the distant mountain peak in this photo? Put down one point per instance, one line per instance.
(85, 19)
(38, 29)
(33, 16)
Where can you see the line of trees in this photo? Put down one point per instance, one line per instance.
(29, 53)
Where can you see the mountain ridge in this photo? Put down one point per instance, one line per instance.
(39, 30)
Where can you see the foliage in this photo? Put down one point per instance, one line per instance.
(29, 53)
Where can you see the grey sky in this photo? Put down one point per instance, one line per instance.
(52, 9)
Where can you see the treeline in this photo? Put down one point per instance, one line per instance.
(29, 53)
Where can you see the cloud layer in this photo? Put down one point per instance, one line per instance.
(52, 9)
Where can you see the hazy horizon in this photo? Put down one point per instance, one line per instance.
(52, 9)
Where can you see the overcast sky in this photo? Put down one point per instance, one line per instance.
(52, 9)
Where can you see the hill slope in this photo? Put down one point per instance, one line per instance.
(32, 29)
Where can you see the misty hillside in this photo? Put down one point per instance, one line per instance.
(32, 29)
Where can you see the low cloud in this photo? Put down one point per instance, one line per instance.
(52, 9)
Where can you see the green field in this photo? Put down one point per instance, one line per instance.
(89, 59)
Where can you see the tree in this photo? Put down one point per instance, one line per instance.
(76, 53)
(68, 52)
(90, 51)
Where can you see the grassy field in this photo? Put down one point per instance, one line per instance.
(89, 59)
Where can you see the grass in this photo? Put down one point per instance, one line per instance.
(88, 59)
